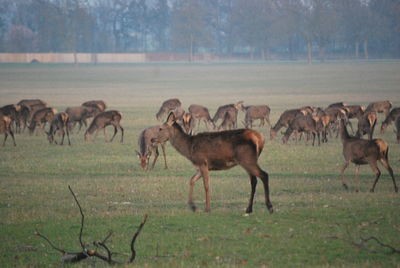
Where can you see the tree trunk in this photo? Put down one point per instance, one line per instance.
(309, 52)
(366, 56)
(357, 45)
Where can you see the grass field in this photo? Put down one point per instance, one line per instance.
(315, 223)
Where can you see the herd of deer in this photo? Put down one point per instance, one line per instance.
(225, 146)
(35, 114)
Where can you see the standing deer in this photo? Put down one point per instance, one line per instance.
(79, 114)
(147, 147)
(229, 121)
(218, 151)
(12, 111)
(366, 125)
(222, 110)
(200, 113)
(380, 107)
(392, 116)
(59, 124)
(5, 127)
(254, 112)
(362, 152)
(99, 104)
(302, 123)
(104, 119)
(168, 106)
(284, 120)
(40, 118)
(30, 102)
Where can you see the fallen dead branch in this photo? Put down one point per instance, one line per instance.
(86, 251)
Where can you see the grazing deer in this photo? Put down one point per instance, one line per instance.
(366, 125)
(392, 116)
(284, 120)
(5, 127)
(34, 108)
(200, 113)
(79, 114)
(147, 147)
(59, 124)
(361, 152)
(40, 118)
(98, 104)
(168, 106)
(218, 151)
(302, 123)
(380, 107)
(222, 110)
(30, 102)
(229, 121)
(104, 119)
(254, 112)
(12, 111)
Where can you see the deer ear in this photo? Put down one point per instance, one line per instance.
(138, 154)
(171, 119)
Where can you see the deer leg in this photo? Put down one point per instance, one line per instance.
(253, 182)
(385, 163)
(375, 169)
(346, 164)
(122, 133)
(357, 177)
(69, 141)
(115, 133)
(254, 170)
(206, 182)
(165, 158)
(155, 158)
(12, 136)
(5, 138)
(62, 137)
(193, 180)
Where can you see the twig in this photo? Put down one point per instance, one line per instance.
(133, 256)
(82, 218)
(393, 250)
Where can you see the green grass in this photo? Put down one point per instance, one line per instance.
(315, 219)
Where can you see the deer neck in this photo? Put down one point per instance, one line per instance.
(344, 135)
(180, 140)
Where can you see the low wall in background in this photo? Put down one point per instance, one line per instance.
(99, 57)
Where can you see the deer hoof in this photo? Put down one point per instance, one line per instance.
(396, 190)
(345, 186)
(371, 191)
(270, 209)
(192, 206)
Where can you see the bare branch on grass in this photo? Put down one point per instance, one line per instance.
(71, 257)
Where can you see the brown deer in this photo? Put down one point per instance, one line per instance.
(98, 104)
(104, 119)
(59, 124)
(30, 102)
(366, 125)
(5, 127)
(40, 118)
(285, 118)
(200, 113)
(80, 114)
(218, 151)
(392, 116)
(229, 120)
(380, 107)
(12, 111)
(233, 108)
(255, 112)
(302, 123)
(147, 148)
(168, 106)
(362, 152)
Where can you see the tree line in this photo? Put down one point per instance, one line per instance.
(257, 29)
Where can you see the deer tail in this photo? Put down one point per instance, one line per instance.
(256, 138)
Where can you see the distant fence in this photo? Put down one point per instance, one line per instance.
(99, 57)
